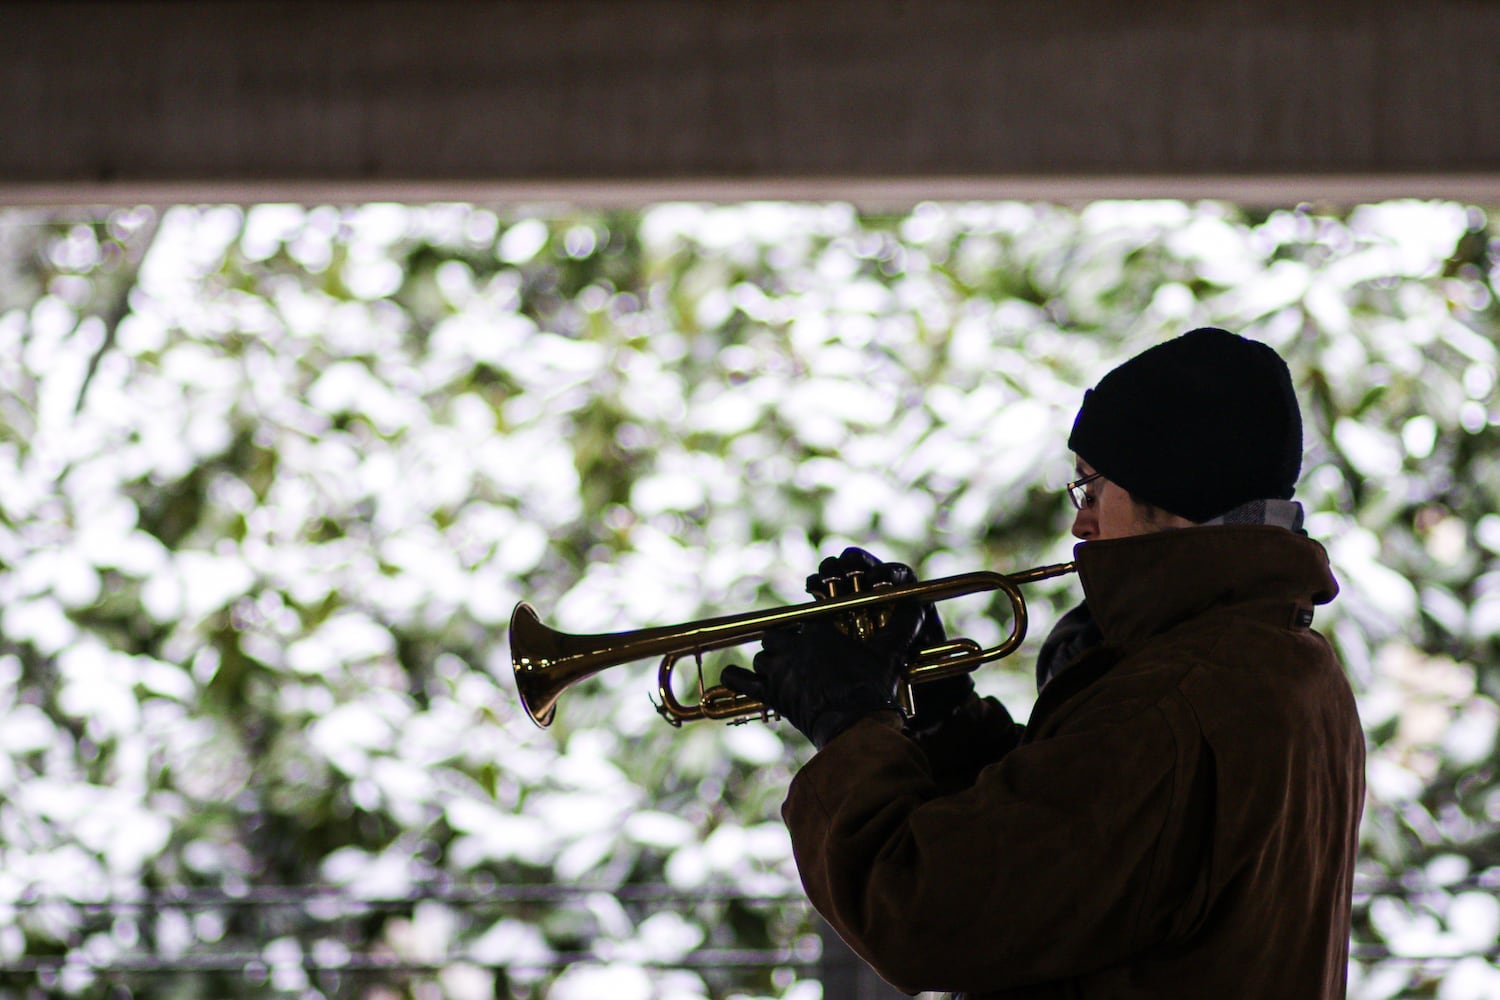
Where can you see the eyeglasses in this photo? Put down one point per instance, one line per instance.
(1081, 497)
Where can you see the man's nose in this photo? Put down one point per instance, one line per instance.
(1085, 524)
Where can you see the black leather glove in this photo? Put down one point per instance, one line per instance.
(935, 701)
(823, 681)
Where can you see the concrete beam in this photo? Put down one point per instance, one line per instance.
(608, 101)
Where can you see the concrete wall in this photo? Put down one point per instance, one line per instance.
(623, 100)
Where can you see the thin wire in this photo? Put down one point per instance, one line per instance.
(468, 895)
(484, 894)
(1488, 880)
(1378, 953)
(327, 903)
(255, 964)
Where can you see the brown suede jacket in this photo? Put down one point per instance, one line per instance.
(1179, 820)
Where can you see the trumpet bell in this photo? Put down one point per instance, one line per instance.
(533, 648)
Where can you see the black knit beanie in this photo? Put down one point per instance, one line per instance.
(1196, 426)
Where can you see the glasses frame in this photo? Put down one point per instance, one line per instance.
(1078, 495)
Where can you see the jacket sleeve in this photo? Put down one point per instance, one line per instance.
(978, 734)
(1048, 866)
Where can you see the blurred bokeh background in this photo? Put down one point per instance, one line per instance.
(273, 477)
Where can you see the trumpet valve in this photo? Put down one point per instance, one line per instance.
(861, 623)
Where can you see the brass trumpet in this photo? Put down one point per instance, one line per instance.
(548, 662)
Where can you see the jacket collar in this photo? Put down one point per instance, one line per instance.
(1139, 586)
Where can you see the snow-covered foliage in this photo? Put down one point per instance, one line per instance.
(272, 479)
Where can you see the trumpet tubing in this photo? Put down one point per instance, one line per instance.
(547, 662)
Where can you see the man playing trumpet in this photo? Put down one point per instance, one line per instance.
(1179, 816)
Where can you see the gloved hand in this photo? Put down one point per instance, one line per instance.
(935, 701)
(823, 681)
